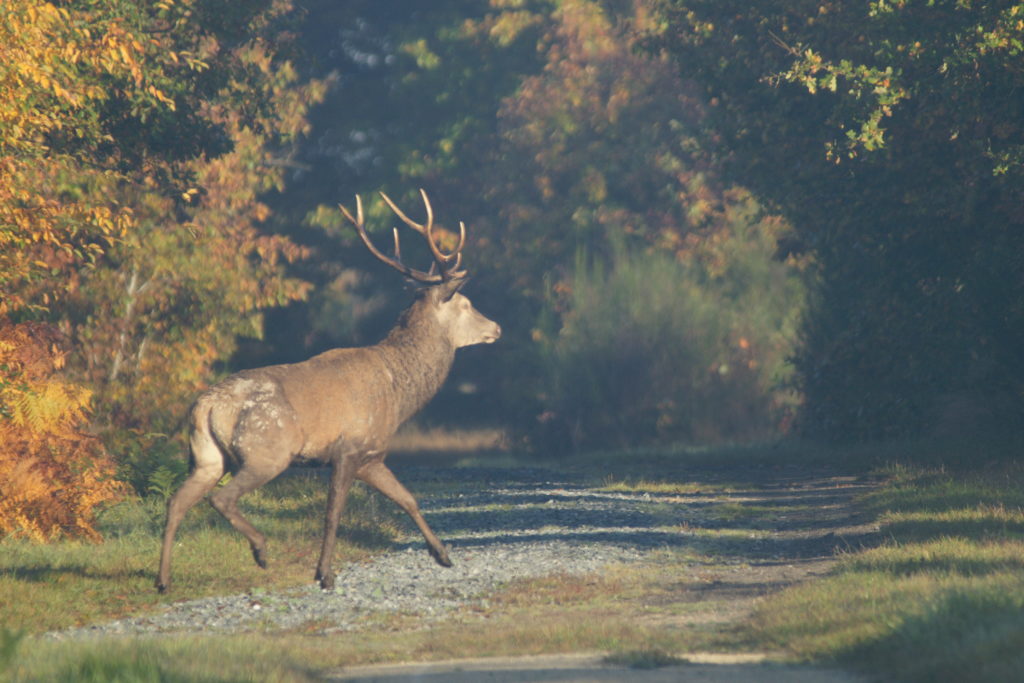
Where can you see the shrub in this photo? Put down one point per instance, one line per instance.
(653, 349)
(53, 475)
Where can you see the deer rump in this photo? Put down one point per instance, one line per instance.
(342, 407)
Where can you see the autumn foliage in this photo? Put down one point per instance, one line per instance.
(55, 215)
(53, 474)
(136, 141)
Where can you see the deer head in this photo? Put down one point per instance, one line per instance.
(465, 325)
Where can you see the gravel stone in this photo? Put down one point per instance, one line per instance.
(502, 525)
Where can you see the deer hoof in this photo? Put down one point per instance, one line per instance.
(440, 555)
(327, 582)
(260, 555)
(161, 588)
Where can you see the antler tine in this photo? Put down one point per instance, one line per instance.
(395, 262)
(462, 237)
(458, 252)
(442, 260)
(421, 229)
(430, 210)
(445, 266)
(428, 229)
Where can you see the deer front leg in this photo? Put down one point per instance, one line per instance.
(342, 475)
(381, 478)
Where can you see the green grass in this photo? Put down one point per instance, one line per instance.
(735, 512)
(161, 660)
(941, 599)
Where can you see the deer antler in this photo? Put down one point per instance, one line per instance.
(443, 268)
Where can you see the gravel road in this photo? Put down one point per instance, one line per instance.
(502, 525)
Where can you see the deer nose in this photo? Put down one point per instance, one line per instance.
(492, 334)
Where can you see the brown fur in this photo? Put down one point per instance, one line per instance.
(341, 407)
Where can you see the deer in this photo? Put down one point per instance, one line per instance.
(340, 407)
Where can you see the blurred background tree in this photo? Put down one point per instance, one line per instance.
(55, 218)
(891, 136)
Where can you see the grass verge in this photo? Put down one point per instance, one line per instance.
(941, 599)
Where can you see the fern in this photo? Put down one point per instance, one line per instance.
(50, 406)
(164, 481)
(53, 476)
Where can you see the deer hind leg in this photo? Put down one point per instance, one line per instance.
(225, 501)
(264, 443)
(381, 478)
(207, 469)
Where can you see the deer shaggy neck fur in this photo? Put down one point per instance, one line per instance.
(419, 353)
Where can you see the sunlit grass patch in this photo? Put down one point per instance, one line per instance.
(920, 626)
(559, 589)
(939, 490)
(73, 582)
(942, 599)
(843, 612)
(951, 555)
(981, 521)
(643, 659)
(644, 485)
(731, 512)
(415, 438)
(727, 535)
(291, 658)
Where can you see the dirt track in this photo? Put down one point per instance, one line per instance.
(724, 538)
(772, 529)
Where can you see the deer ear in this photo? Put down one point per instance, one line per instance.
(446, 290)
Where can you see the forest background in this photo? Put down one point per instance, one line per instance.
(697, 221)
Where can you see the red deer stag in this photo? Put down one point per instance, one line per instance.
(341, 407)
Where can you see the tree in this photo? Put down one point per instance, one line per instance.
(171, 298)
(137, 141)
(58, 67)
(54, 213)
(889, 136)
(169, 301)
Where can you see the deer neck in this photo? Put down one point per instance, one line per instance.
(419, 354)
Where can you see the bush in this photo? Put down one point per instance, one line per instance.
(53, 475)
(652, 350)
